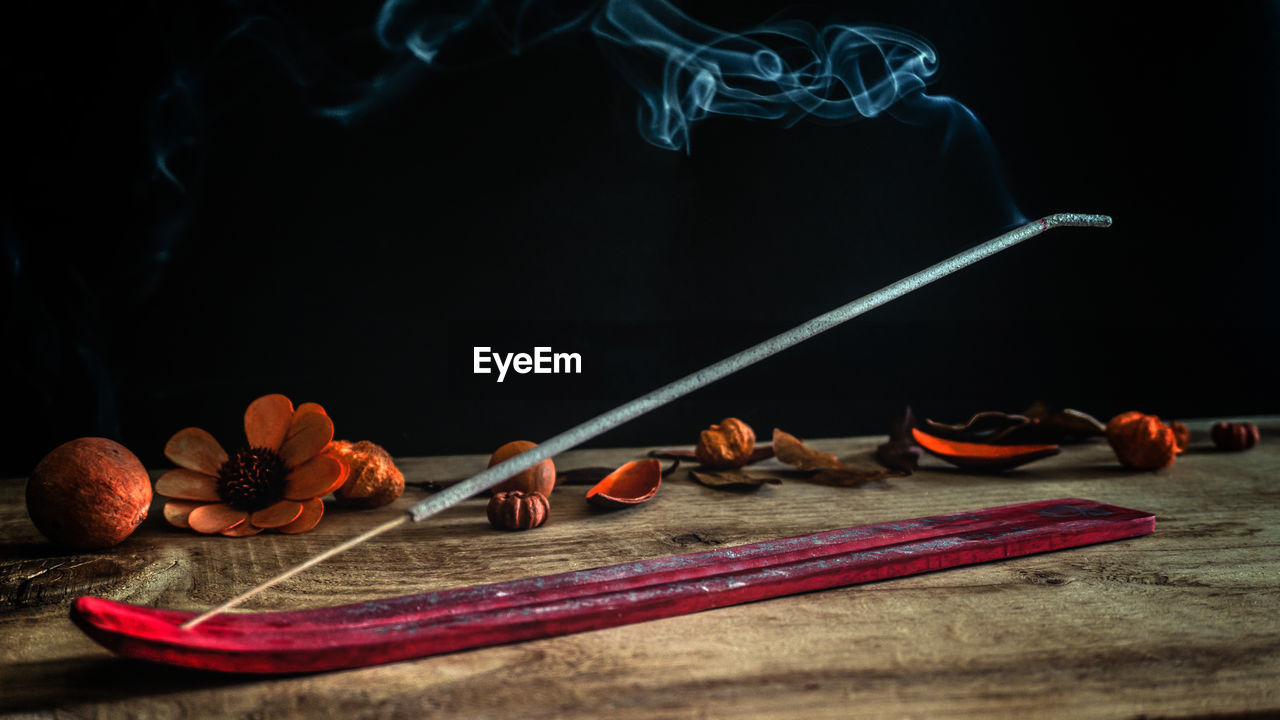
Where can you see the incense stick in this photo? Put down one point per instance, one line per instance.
(577, 435)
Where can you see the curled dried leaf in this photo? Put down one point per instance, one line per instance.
(1043, 428)
(790, 450)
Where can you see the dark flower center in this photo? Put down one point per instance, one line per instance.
(252, 478)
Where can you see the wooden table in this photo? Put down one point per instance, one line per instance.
(1182, 622)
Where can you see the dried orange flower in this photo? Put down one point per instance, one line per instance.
(276, 481)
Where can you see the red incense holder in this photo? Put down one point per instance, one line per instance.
(411, 626)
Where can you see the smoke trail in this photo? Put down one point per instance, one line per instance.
(781, 71)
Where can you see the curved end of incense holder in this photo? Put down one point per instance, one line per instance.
(400, 628)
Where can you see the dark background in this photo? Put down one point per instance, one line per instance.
(510, 202)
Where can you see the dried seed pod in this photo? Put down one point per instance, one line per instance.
(88, 494)
(632, 484)
(373, 479)
(1234, 435)
(980, 456)
(727, 445)
(539, 478)
(518, 510)
(1181, 436)
(1142, 442)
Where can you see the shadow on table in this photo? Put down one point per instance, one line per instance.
(91, 680)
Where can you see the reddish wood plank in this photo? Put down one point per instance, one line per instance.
(393, 629)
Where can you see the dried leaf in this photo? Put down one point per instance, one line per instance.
(984, 427)
(791, 451)
(732, 479)
(1069, 425)
(852, 477)
(825, 468)
(1036, 426)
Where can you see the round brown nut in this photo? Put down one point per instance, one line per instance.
(727, 445)
(539, 478)
(88, 494)
(373, 480)
(1234, 435)
(518, 510)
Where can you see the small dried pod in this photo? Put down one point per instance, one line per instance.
(518, 510)
(539, 478)
(1234, 435)
(373, 479)
(632, 484)
(1142, 442)
(727, 445)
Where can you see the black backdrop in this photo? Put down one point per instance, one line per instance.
(512, 203)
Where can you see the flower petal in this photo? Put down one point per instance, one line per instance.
(241, 530)
(176, 512)
(185, 484)
(313, 478)
(307, 407)
(312, 511)
(281, 513)
(215, 518)
(342, 478)
(267, 421)
(195, 449)
(307, 437)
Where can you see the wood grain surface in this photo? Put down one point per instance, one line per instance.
(1184, 622)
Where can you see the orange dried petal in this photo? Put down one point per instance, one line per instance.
(281, 513)
(313, 478)
(215, 518)
(342, 477)
(243, 529)
(307, 407)
(195, 449)
(308, 435)
(184, 484)
(312, 511)
(267, 420)
(176, 512)
(633, 483)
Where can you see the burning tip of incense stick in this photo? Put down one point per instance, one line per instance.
(1075, 220)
